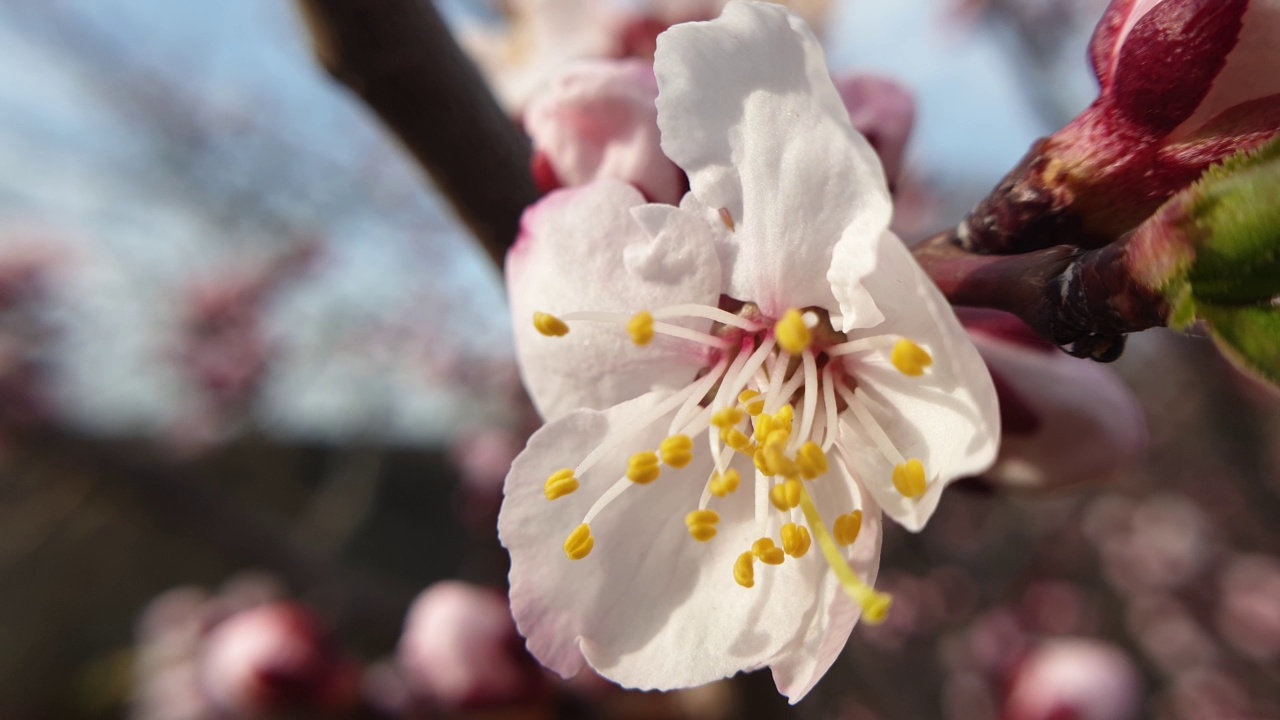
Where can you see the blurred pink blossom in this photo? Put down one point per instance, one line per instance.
(1074, 679)
(460, 649)
(1249, 606)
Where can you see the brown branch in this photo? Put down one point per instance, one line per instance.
(1084, 300)
(400, 58)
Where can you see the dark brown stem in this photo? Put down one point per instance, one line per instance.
(1083, 300)
(400, 58)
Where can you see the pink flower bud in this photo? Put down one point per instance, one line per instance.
(274, 658)
(1064, 420)
(1074, 679)
(460, 648)
(884, 112)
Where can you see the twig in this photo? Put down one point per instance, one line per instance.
(399, 57)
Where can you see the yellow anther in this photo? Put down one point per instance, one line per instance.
(766, 552)
(763, 425)
(811, 461)
(561, 483)
(910, 358)
(736, 439)
(549, 325)
(702, 524)
(640, 328)
(723, 484)
(676, 451)
(908, 479)
(847, 527)
(776, 460)
(785, 496)
(726, 417)
(875, 605)
(784, 416)
(761, 462)
(579, 543)
(795, 540)
(642, 468)
(726, 218)
(752, 401)
(744, 572)
(792, 334)
(778, 436)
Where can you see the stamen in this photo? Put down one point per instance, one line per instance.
(676, 451)
(868, 422)
(724, 483)
(909, 358)
(766, 552)
(777, 462)
(875, 605)
(795, 540)
(549, 325)
(561, 483)
(736, 439)
(640, 328)
(810, 394)
(829, 404)
(642, 320)
(643, 468)
(579, 543)
(744, 570)
(793, 335)
(811, 461)
(785, 496)
(908, 479)
(751, 366)
(707, 312)
(859, 345)
(847, 527)
(726, 417)
(751, 402)
(702, 524)
(726, 218)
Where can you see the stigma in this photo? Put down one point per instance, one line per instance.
(773, 411)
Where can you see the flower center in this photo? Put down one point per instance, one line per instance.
(777, 392)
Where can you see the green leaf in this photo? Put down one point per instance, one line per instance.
(1237, 220)
(1249, 335)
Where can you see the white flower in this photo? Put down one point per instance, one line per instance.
(759, 370)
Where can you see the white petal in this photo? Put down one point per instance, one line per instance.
(746, 106)
(813, 653)
(948, 418)
(598, 119)
(649, 607)
(1250, 72)
(580, 250)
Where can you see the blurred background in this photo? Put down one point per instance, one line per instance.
(250, 361)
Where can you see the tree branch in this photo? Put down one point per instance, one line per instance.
(1083, 300)
(400, 58)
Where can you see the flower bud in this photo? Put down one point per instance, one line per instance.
(274, 658)
(460, 648)
(1074, 678)
(1213, 252)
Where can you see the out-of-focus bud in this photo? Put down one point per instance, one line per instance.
(1249, 606)
(460, 649)
(1065, 421)
(1074, 679)
(598, 119)
(272, 659)
(884, 112)
(1184, 84)
(1213, 252)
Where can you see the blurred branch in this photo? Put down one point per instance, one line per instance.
(1084, 299)
(400, 58)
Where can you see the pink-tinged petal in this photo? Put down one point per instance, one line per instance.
(598, 119)
(1117, 20)
(884, 112)
(746, 106)
(1251, 68)
(813, 653)
(1170, 59)
(580, 250)
(1075, 678)
(948, 418)
(649, 607)
(1089, 424)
